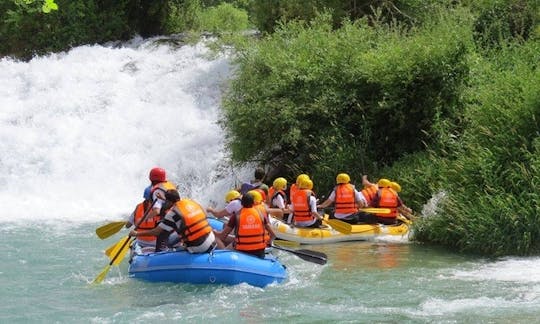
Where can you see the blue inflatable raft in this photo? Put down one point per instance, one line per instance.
(219, 267)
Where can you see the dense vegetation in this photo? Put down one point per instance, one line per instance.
(440, 95)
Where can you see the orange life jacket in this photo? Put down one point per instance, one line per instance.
(387, 198)
(196, 225)
(163, 186)
(262, 210)
(292, 190)
(369, 193)
(345, 201)
(271, 192)
(148, 224)
(250, 232)
(301, 206)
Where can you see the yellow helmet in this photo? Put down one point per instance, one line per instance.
(301, 177)
(309, 184)
(383, 183)
(394, 185)
(232, 194)
(280, 183)
(304, 183)
(343, 178)
(257, 197)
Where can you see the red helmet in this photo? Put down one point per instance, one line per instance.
(157, 174)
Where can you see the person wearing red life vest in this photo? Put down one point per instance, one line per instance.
(346, 199)
(147, 243)
(250, 228)
(188, 219)
(304, 206)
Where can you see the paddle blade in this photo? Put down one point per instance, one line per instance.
(340, 226)
(373, 210)
(102, 275)
(307, 255)
(110, 229)
(109, 250)
(119, 251)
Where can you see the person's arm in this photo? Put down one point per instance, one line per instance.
(328, 201)
(313, 207)
(360, 199)
(218, 213)
(154, 232)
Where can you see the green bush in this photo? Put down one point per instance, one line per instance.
(492, 184)
(322, 101)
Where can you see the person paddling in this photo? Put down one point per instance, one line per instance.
(146, 243)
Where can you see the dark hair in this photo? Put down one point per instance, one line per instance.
(247, 200)
(259, 173)
(172, 195)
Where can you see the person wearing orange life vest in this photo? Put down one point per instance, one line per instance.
(386, 197)
(304, 206)
(402, 209)
(232, 207)
(147, 243)
(369, 191)
(346, 199)
(278, 197)
(188, 219)
(160, 185)
(294, 187)
(249, 228)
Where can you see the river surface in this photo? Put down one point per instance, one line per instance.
(79, 132)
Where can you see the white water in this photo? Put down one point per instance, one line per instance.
(79, 131)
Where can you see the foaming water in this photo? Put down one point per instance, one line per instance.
(80, 130)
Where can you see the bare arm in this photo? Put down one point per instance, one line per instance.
(218, 213)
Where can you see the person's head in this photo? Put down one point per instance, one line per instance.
(343, 178)
(280, 183)
(394, 185)
(383, 183)
(257, 197)
(259, 173)
(247, 200)
(231, 195)
(147, 195)
(309, 184)
(172, 195)
(157, 175)
(301, 178)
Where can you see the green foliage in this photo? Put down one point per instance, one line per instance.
(223, 18)
(351, 100)
(492, 185)
(501, 21)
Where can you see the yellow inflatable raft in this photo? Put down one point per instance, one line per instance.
(338, 233)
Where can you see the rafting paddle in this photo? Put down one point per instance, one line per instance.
(308, 255)
(120, 249)
(110, 229)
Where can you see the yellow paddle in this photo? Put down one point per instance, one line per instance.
(339, 225)
(373, 210)
(286, 243)
(120, 249)
(110, 229)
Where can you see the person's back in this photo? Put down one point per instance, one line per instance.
(147, 242)
(250, 230)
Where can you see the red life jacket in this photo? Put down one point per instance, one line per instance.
(369, 193)
(345, 200)
(250, 231)
(387, 198)
(301, 206)
(148, 224)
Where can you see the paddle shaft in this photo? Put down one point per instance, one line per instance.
(308, 255)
